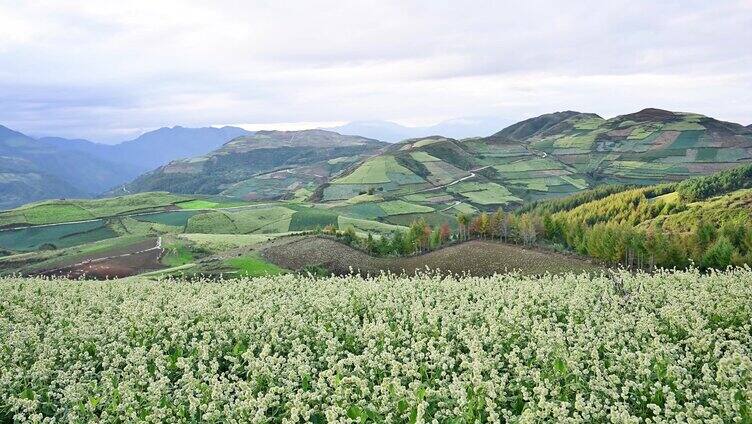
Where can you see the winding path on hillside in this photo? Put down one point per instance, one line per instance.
(457, 181)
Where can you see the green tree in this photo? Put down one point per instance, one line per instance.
(719, 254)
(483, 225)
(463, 220)
(527, 230)
(704, 234)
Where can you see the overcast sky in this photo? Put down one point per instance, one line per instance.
(106, 70)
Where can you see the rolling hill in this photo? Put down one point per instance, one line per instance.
(265, 165)
(645, 147)
(548, 156)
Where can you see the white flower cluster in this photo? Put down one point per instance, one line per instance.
(621, 348)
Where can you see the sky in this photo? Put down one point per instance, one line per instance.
(110, 70)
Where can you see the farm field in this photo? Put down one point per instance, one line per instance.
(57, 211)
(481, 258)
(56, 237)
(120, 261)
(506, 348)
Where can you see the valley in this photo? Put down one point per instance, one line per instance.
(237, 208)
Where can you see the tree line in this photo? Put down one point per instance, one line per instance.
(421, 237)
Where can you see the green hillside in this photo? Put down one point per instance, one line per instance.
(703, 219)
(646, 147)
(440, 176)
(266, 165)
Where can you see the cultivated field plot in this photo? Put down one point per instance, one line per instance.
(54, 237)
(475, 258)
(56, 211)
(276, 185)
(484, 193)
(381, 173)
(263, 219)
(269, 219)
(576, 348)
(220, 242)
(400, 207)
(172, 218)
(365, 226)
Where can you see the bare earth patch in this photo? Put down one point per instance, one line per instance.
(480, 258)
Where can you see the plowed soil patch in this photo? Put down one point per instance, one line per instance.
(478, 258)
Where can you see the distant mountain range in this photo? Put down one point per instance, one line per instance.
(49, 167)
(455, 128)
(154, 148)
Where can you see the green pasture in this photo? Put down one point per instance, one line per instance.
(177, 254)
(378, 170)
(271, 219)
(538, 164)
(212, 222)
(60, 211)
(221, 242)
(172, 218)
(484, 193)
(308, 218)
(399, 207)
(253, 266)
(421, 156)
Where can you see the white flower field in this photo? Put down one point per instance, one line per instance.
(622, 348)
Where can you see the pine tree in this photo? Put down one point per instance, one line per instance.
(719, 254)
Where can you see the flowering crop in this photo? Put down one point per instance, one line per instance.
(671, 347)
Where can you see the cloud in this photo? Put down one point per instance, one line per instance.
(105, 69)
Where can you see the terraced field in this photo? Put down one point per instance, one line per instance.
(442, 174)
(57, 211)
(647, 147)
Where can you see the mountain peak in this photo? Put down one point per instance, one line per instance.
(650, 114)
(540, 124)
